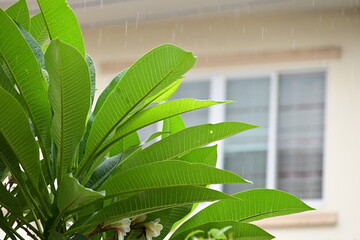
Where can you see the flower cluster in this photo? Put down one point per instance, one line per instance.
(150, 229)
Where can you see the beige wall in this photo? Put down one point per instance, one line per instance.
(224, 36)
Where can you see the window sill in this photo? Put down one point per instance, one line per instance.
(309, 219)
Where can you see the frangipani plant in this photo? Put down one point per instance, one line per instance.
(70, 172)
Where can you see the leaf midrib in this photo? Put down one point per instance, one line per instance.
(62, 118)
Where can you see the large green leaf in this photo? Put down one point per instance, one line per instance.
(19, 12)
(205, 155)
(8, 201)
(25, 70)
(141, 82)
(184, 141)
(238, 231)
(38, 29)
(62, 23)
(71, 194)
(15, 130)
(157, 113)
(256, 204)
(37, 50)
(154, 200)
(165, 174)
(69, 94)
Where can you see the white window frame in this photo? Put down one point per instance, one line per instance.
(216, 114)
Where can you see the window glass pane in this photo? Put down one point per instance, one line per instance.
(300, 134)
(147, 131)
(197, 90)
(246, 152)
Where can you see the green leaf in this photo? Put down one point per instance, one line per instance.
(19, 12)
(8, 201)
(37, 50)
(165, 174)
(126, 153)
(256, 204)
(69, 94)
(103, 171)
(53, 235)
(205, 155)
(173, 125)
(157, 113)
(45, 47)
(7, 84)
(16, 132)
(169, 91)
(71, 194)
(141, 82)
(38, 29)
(92, 70)
(3, 170)
(124, 143)
(184, 141)
(193, 234)
(79, 237)
(62, 23)
(154, 200)
(238, 231)
(219, 233)
(152, 137)
(103, 96)
(26, 72)
(9, 158)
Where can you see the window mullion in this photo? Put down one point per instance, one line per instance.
(217, 114)
(271, 167)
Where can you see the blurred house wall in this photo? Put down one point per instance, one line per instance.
(328, 39)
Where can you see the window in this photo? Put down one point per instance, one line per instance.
(287, 151)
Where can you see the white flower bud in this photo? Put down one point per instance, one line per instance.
(153, 229)
(122, 227)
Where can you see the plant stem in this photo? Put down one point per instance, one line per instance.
(27, 231)
(24, 221)
(14, 231)
(44, 205)
(48, 166)
(19, 236)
